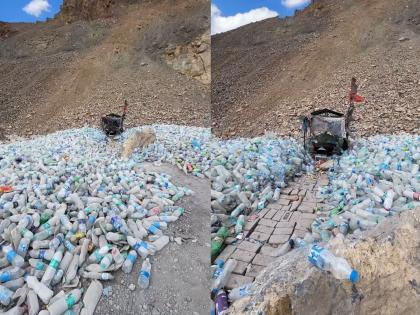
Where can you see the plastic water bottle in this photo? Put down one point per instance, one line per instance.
(240, 222)
(10, 273)
(44, 293)
(239, 292)
(224, 276)
(161, 242)
(5, 295)
(52, 268)
(129, 261)
(23, 247)
(12, 257)
(65, 303)
(91, 298)
(219, 263)
(144, 274)
(97, 275)
(338, 266)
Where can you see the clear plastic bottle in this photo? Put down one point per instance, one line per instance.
(338, 266)
(224, 276)
(12, 257)
(144, 274)
(129, 261)
(239, 292)
(5, 295)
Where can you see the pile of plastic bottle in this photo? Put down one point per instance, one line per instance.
(185, 147)
(376, 179)
(70, 209)
(247, 174)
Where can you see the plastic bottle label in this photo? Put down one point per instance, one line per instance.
(131, 258)
(5, 277)
(10, 256)
(70, 301)
(144, 274)
(314, 255)
(39, 265)
(54, 263)
(153, 229)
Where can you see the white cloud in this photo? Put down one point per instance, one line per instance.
(220, 23)
(295, 3)
(36, 7)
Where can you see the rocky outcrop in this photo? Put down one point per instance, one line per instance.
(73, 10)
(386, 257)
(193, 59)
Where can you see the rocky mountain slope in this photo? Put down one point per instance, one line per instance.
(69, 71)
(265, 74)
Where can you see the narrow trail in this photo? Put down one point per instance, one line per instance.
(286, 219)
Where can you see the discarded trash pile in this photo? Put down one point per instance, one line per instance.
(185, 147)
(377, 179)
(71, 210)
(246, 174)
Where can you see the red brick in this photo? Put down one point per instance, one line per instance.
(285, 224)
(268, 222)
(295, 205)
(262, 260)
(227, 251)
(253, 270)
(270, 213)
(286, 216)
(238, 281)
(286, 190)
(283, 230)
(242, 255)
(264, 229)
(249, 246)
(289, 197)
(278, 239)
(250, 225)
(268, 250)
(278, 215)
(283, 202)
(240, 267)
(262, 237)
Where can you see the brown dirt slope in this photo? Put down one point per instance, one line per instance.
(264, 75)
(57, 74)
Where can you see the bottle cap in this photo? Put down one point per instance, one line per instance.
(354, 276)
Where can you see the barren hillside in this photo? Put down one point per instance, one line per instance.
(69, 71)
(264, 75)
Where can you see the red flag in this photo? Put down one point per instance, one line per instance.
(356, 97)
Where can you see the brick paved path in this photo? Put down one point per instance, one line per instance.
(288, 218)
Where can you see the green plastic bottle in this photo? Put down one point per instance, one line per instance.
(217, 242)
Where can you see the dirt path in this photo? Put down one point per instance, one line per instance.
(180, 276)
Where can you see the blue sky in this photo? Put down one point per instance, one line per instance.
(230, 14)
(35, 10)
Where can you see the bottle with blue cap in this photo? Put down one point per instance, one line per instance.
(327, 261)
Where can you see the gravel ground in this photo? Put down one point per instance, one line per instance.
(180, 273)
